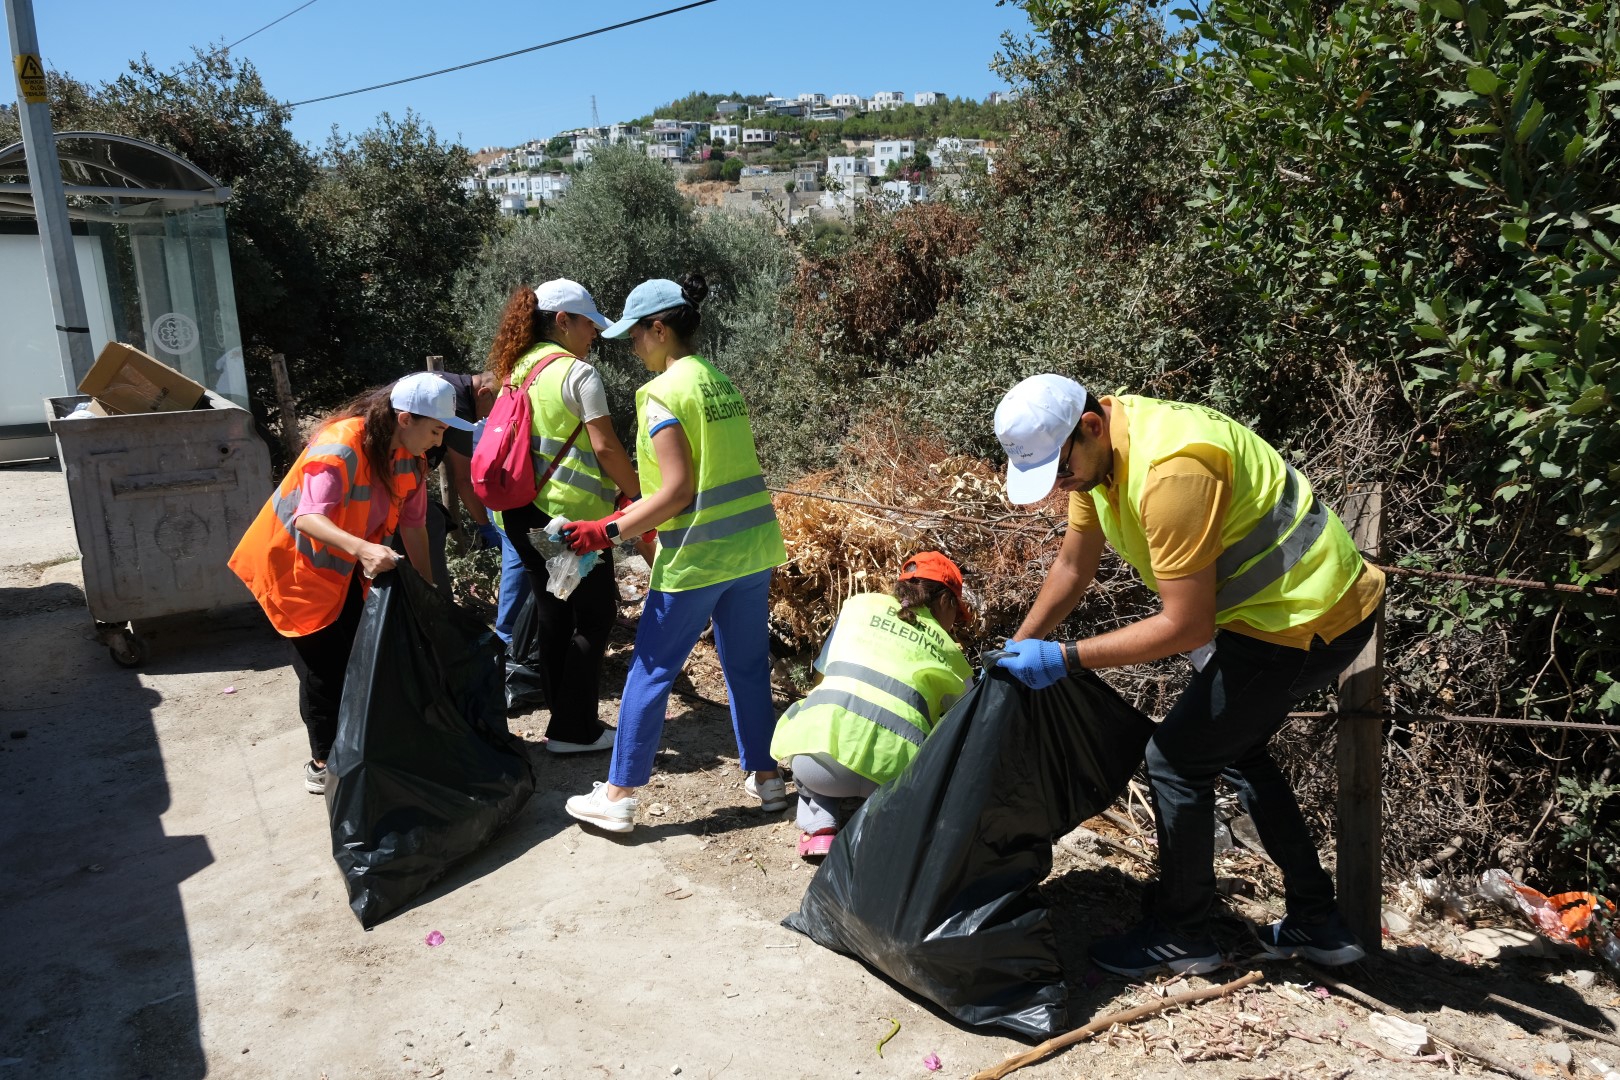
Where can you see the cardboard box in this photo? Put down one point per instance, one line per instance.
(126, 380)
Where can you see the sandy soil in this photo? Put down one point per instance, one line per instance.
(172, 909)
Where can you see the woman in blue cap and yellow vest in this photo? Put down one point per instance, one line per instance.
(889, 670)
(718, 540)
(551, 328)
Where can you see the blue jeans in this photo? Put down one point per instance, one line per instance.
(515, 588)
(1220, 727)
(670, 625)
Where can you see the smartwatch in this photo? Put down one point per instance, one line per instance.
(611, 530)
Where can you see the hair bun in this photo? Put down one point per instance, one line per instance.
(694, 288)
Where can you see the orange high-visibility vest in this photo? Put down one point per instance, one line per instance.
(300, 582)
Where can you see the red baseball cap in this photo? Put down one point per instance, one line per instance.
(934, 566)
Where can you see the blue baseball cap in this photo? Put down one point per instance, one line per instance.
(648, 298)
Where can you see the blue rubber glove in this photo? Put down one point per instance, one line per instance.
(489, 534)
(1036, 664)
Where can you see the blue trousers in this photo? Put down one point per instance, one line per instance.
(1220, 727)
(515, 588)
(670, 625)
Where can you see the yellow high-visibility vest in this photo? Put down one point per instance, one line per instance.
(729, 530)
(1286, 558)
(885, 684)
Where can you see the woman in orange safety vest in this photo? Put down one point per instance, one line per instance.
(359, 481)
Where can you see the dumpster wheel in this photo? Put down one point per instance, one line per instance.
(127, 648)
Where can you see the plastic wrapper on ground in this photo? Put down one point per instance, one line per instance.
(933, 881)
(424, 771)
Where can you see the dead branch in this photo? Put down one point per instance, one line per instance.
(1127, 1016)
(1462, 1046)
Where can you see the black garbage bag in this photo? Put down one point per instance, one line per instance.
(524, 690)
(424, 770)
(932, 882)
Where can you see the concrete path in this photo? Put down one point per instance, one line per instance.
(171, 908)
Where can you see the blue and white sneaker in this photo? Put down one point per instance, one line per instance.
(1152, 948)
(1330, 944)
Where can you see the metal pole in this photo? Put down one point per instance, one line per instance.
(50, 205)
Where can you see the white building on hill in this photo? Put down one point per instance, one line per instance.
(888, 152)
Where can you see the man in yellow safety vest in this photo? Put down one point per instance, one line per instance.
(1260, 584)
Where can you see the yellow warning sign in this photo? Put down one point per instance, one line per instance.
(30, 79)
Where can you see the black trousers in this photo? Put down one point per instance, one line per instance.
(572, 634)
(321, 660)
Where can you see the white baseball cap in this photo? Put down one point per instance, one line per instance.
(425, 394)
(1033, 421)
(570, 296)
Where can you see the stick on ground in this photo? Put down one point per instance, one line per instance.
(1126, 1016)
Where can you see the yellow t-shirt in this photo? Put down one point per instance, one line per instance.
(1184, 504)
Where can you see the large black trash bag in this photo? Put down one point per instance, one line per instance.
(524, 689)
(932, 882)
(424, 770)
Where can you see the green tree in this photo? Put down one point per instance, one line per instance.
(392, 228)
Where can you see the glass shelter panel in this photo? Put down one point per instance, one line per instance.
(182, 269)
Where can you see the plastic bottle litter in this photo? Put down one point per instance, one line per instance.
(1579, 918)
(564, 569)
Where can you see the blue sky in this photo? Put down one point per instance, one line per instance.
(750, 46)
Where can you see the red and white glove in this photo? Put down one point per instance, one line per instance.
(584, 537)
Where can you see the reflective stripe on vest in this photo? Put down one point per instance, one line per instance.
(301, 583)
(577, 489)
(1285, 559)
(729, 530)
(1285, 548)
(886, 719)
(876, 679)
(886, 682)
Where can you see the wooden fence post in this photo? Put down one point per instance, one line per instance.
(291, 437)
(1361, 749)
(447, 482)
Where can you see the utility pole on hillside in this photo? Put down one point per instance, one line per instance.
(45, 188)
(596, 121)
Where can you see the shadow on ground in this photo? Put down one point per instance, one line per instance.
(101, 969)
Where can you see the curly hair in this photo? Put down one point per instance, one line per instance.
(522, 324)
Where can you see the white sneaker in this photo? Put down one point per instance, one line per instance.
(772, 793)
(603, 741)
(597, 809)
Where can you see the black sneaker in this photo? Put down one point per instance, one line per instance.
(314, 778)
(1151, 948)
(1330, 944)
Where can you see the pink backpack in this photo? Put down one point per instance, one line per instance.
(502, 464)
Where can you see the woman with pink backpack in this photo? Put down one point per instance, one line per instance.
(581, 470)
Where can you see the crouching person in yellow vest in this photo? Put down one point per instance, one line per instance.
(889, 670)
(1260, 584)
(359, 481)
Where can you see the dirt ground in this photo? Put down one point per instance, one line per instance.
(172, 910)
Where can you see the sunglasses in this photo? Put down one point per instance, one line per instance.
(1064, 472)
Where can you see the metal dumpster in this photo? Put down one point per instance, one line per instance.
(159, 502)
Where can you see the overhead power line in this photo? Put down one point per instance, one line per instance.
(502, 56)
(268, 25)
(227, 48)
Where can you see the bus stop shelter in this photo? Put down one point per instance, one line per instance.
(149, 234)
